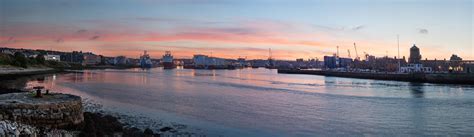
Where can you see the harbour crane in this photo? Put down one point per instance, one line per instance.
(349, 53)
(357, 55)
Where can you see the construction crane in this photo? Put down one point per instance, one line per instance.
(349, 53)
(357, 55)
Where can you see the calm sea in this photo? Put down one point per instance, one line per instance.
(260, 102)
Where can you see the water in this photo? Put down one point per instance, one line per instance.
(260, 102)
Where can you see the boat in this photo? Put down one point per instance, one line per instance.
(271, 61)
(168, 61)
(145, 60)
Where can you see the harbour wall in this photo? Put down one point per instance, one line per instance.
(447, 78)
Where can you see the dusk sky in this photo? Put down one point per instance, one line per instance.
(245, 28)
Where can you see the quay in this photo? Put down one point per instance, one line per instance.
(445, 78)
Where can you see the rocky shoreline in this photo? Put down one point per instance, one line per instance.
(97, 123)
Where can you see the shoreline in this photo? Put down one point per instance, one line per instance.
(97, 121)
(16, 72)
(438, 78)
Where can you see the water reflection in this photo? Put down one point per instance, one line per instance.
(290, 105)
(417, 90)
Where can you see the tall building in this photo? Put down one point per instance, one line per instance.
(415, 56)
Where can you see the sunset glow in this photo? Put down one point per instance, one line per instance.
(305, 29)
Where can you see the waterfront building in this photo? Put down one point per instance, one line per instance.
(330, 62)
(52, 57)
(468, 68)
(91, 59)
(121, 60)
(258, 63)
(73, 57)
(415, 55)
(416, 68)
(345, 62)
(414, 63)
(204, 61)
(7, 51)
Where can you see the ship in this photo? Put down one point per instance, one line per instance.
(168, 61)
(271, 61)
(145, 60)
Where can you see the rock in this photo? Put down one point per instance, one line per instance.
(26, 131)
(148, 132)
(164, 129)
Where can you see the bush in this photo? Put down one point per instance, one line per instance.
(20, 60)
(5, 59)
(40, 59)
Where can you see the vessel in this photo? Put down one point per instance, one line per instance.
(145, 60)
(168, 61)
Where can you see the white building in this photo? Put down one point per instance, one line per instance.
(203, 60)
(416, 68)
(52, 57)
(7, 51)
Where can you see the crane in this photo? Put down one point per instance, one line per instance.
(366, 55)
(357, 55)
(349, 53)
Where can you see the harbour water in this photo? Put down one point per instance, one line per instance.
(260, 102)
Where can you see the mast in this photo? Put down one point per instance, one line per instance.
(269, 53)
(398, 58)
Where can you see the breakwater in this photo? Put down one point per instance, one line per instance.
(448, 78)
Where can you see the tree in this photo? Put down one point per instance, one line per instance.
(5, 59)
(40, 59)
(20, 60)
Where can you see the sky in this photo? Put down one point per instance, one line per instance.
(241, 28)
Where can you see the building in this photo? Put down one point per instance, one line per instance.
(52, 57)
(73, 57)
(414, 63)
(345, 62)
(121, 60)
(416, 68)
(206, 61)
(330, 62)
(7, 51)
(468, 68)
(91, 59)
(415, 55)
